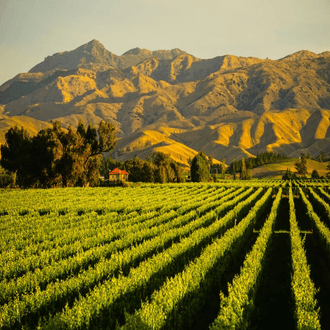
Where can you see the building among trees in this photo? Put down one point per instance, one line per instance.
(118, 174)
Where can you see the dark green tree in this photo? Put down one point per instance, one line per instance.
(70, 165)
(47, 153)
(327, 174)
(223, 169)
(200, 168)
(173, 171)
(16, 155)
(234, 168)
(58, 157)
(243, 170)
(210, 159)
(7, 179)
(315, 174)
(149, 172)
(301, 166)
(106, 135)
(96, 143)
(288, 175)
(135, 169)
(160, 174)
(178, 172)
(81, 129)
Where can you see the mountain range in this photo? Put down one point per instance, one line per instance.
(171, 101)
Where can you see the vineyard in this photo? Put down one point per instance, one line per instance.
(230, 255)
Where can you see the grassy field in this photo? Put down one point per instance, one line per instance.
(276, 170)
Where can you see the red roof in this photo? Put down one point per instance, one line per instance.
(118, 171)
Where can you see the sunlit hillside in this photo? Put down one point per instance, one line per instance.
(228, 106)
(277, 170)
(32, 125)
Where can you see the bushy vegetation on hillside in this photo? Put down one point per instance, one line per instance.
(251, 162)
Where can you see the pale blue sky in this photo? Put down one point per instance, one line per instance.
(30, 30)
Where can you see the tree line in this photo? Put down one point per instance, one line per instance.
(201, 167)
(56, 157)
(252, 162)
(158, 168)
(302, 170)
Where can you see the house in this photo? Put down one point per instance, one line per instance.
(118, 174)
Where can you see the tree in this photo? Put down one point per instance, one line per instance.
(288, 175)
(178, 172)
(210, 159)
(58, 157)
(328, 171)
(158, 167)
(223, 169)
(16, 155)
(96, 142)
(135, 169)
(315, 174)
(160, 174)
(149, 171)
(47, 150)
(234, 167)
(107, 139)
(200, 168)
(301, 166)
(173, 171)
(81, 129)
(71, 163)
(243, 170)
(7, 179)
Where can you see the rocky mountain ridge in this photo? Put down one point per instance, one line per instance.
(173, 102)
(95, 53)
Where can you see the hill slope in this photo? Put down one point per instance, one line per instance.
(277, 170)
(228, 106)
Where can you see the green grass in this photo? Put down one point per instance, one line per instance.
(276, 170)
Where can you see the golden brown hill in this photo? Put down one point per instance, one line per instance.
(33, 126)
(228, 106)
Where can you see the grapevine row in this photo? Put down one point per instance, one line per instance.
(303, 288)
(176, 297)
(29, 306)
(106, 298)
(235, 308)
(90, 257)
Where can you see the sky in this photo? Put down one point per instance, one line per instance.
(31, 30)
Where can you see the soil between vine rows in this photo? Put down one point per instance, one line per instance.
(210, 309)
(274, 305)
(318, 259)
